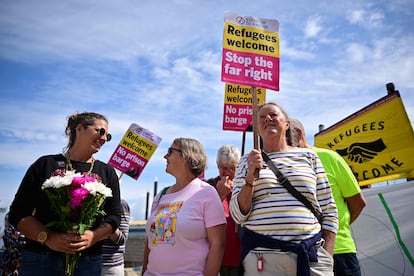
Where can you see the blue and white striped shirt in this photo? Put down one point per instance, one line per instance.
(113, 251)
(274, 211)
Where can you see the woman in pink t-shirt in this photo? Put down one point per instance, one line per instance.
(186, 228)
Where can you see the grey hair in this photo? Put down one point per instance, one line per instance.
(228, 154)
(294, 125)
(194, 153)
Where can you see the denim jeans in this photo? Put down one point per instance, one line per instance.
(229, 271)
(53, 264)
(346, 264)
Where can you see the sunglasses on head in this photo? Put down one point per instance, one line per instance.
(101, 131)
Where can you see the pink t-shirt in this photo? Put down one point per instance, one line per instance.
(177, 229)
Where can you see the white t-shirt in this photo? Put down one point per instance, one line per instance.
(177, 229)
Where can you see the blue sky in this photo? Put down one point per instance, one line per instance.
(158, 64)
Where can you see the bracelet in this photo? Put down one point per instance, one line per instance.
(250, 185)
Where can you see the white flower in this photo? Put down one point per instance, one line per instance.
(60, 181)
(98, 187)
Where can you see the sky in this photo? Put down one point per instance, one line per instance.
(158, 64)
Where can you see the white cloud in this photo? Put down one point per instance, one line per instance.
(356, 16)
(357, 52)
(295, 53)
(366, 18)
(313, 26)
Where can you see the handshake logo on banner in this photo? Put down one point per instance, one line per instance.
(362, 152)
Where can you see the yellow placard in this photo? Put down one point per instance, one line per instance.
(134, 151)
(238, 106)
(250, 51)
(240, 94)
(138, 144)
(251, 40)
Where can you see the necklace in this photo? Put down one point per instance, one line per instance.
(70, 167)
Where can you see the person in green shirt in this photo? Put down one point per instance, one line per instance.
(348, 197)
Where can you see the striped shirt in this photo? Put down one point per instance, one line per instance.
(277, 213)
(113, 251)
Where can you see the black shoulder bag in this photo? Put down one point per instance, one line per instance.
(163, 192)
(285, 183)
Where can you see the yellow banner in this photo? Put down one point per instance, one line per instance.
(377, 141)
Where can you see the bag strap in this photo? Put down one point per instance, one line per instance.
(285, 183)
(163, 192)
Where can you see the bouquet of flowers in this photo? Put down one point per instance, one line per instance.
(77, 200)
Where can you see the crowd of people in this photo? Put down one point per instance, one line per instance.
(283, 209)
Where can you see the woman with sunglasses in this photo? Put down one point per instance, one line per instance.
(31, 210)
(186, 228)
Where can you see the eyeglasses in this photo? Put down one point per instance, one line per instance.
(101, 131)
(170, 150)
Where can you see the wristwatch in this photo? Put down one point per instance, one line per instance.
(42, 237)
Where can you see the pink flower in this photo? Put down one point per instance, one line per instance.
(78, 181)
(77, 196)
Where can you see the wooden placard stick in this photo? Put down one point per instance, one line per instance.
(254, 120)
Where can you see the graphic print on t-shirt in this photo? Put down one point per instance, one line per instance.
(163, 229)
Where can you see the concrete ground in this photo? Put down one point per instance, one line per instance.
(129, 271)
